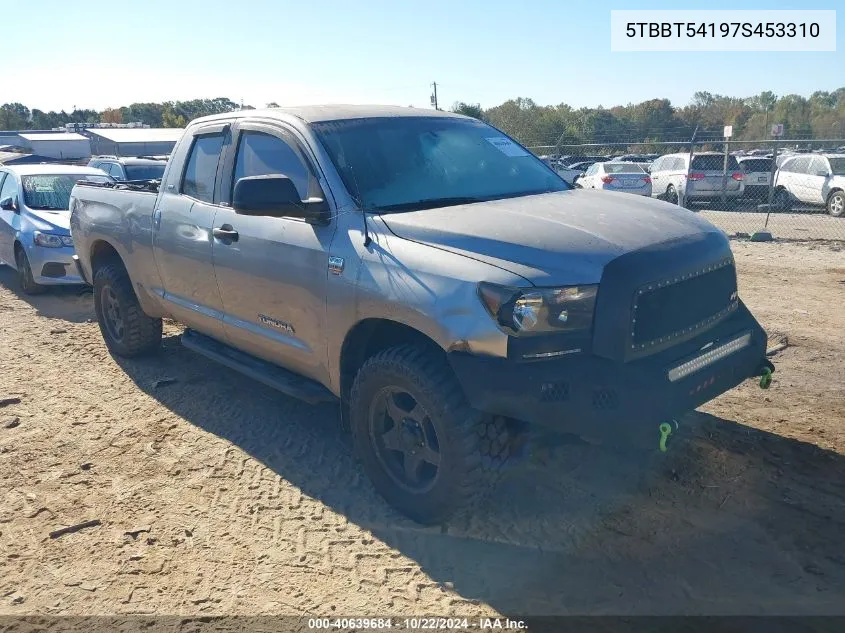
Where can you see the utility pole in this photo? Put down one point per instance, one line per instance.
(434, 95)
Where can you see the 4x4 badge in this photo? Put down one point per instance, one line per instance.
(335, 264)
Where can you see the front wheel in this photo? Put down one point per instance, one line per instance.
(126, 330)
(836, 204)
(25, 276)
(417, 437)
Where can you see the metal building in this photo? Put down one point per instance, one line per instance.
(59, 145)
(133, 141)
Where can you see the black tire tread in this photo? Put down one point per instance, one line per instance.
(433, 377)
(28, 286)
(143, 333)
(836, 192)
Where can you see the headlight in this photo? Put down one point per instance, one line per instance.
(530, 311)
(48, 240)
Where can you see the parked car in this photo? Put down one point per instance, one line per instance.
(431, 275)
(675, 180)
(134, 168)
(611, 176)
(758, 176)
(813, 179)
(34, 233)
(569, 161)
(573, 171)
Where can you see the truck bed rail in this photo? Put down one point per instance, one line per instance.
(150, 186)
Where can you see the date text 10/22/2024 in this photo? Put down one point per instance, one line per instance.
(417, 624)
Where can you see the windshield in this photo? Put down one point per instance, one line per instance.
(145, 172)
(837, 166)
(402, 163)
(51, 192)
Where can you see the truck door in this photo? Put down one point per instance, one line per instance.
(272, 272)
(182, 231)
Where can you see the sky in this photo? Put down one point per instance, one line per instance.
(374, 51)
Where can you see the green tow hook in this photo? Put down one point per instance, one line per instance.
(665, 431)
(766, 378)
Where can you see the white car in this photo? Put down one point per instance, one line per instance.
(674, 179)
(817, 179)
(35, 222)
(758, 176)
(612, 176)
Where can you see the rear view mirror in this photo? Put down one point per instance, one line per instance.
(275, 195)
(8, 204)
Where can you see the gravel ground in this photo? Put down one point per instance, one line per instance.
(215, 495)
(810, 224)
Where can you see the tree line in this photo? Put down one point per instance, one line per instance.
(16, 116)
(820, 116)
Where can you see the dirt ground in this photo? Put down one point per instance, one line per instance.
(216, 495)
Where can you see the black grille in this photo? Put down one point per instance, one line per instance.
(676, 307)
(53, 269)
(554, 392)
(605, 400)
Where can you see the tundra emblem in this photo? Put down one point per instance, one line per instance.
(279, 325)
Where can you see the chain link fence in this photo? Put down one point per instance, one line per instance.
(791, 189)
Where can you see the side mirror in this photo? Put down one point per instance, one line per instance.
(8, 204)
(275, 195)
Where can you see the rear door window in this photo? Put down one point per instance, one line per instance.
(200, 175)
(800, 165)
(818, 167)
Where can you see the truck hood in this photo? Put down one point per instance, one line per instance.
(58, 221)
(554, 238)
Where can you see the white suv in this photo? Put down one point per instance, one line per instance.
(817, 179)
(674, 179)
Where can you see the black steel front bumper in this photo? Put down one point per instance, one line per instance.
(589, 394)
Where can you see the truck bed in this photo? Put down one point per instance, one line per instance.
(119, 215)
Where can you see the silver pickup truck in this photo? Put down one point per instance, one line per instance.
(427, 271)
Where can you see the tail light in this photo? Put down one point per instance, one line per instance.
(695, 176)
(737, 175)
(607, 180)
(647, 180)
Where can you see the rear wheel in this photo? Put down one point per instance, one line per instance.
(126, 330)
(836, 204)
(781, 200)
(417, 437)
(25, 277)
(671, 194)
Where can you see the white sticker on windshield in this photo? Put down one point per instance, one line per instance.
(506, 146)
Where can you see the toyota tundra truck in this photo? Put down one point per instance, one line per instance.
(428, 273)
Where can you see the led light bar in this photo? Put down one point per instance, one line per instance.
(708, 358)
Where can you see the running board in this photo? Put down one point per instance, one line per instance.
(287, 382)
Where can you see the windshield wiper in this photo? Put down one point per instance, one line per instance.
(49, 208)
(429, 203)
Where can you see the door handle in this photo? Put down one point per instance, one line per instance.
(225, 232)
